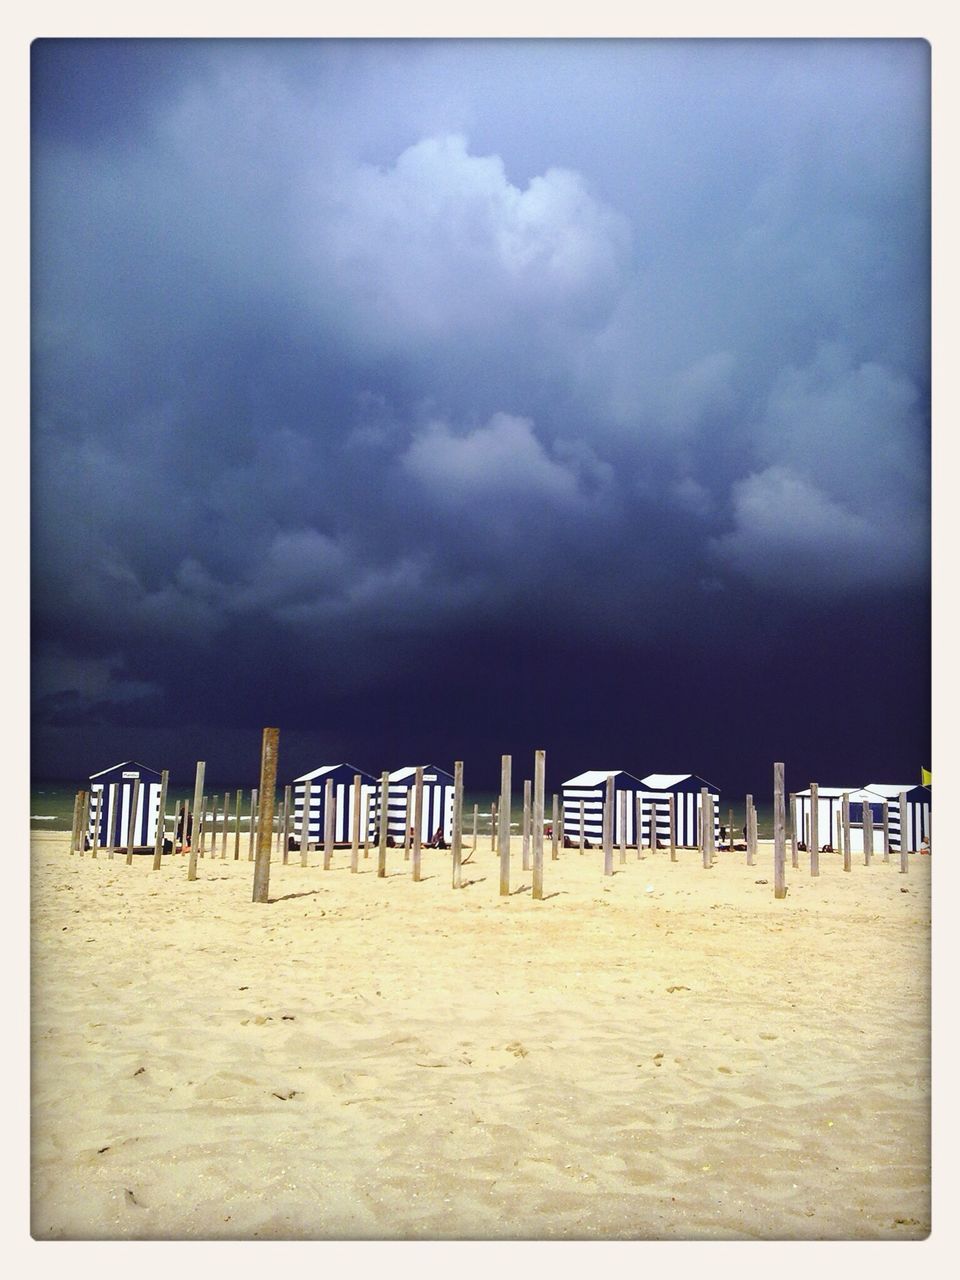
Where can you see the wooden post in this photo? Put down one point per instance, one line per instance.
(779, 844)
(814, 829)
(476, 819)
(672, 816)
(904, 852)
(354, 823)
(526, 825)
(751, 847)
(653, 826)
(493, 827)
(96, 823)
(366, 825)
(608, 827)
(202, 825)
(384, 823)
(236, 827)
(539, 766)
(753, 832)
(886, 831)
(794, 851)
(76, 823)
(269, 751)
(583, 837)
(329, 818)
(84, 821)
(254, 815)
(226, 825)
(287, 821)
(638, 822)
(867, 833)
(406, 825)
(705, 823)
(176, 820)
(555, 830)
(197, 811)
(132, 823)
(457, 842)
(560, 833)
(161, 820)
(417, 819)
(845, 818)
(503, 839)
(184, 829)
(623, 826)
(730, 829)
(113, 818)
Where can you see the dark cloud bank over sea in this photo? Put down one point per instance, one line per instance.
(443, 399)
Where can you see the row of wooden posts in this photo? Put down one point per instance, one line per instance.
(260, 842)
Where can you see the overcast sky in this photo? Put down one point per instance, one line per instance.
(439, 399)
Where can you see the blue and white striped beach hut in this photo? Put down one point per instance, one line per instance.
(590, 789)
(437, 803)
(685, 789)
(346, 797)
(919, 800)
(829, 815)
(115, 785)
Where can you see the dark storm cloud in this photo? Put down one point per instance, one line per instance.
(361, 345)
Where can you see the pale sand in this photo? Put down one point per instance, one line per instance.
(367, 1058)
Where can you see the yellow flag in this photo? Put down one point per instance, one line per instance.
(926, 777)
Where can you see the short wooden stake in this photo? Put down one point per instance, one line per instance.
(583, 834)
(904, 853)
(305, 820)
(503, 837)
(845, 819)
(132, 823)
(415, 856)
(779, 843)
(287, 821)
(886, 831)
(354, 824)
(457, 841)
(384, 824)
(366, 824)
(814, 829)
(408, 809)
(226, 826)
(751, 847)
(493, 827)
(197, 814)
(867, 833)
(202, 828)
(185, 818)
(555, 830)
(269, 752)
(623, 826)
(329, 818)
(254, 817)
(672, 816)
(113, 819)
(161, 820)
(476, 820)
(794, 850)
(539, 768)
(705, 822)
(96, 822)
(653, 826)
(608, 827)
(526, 825)
(76, 823)
(236, 828)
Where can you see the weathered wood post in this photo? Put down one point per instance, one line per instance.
(845, 818)
(904, 853)
(608, 827)
(503, 837)
(254, 816)
(672, 817)
(384, 824)
(329, 818)
(236, 827)
(751, 847)
(814, 829)
(84, 821)
(794, 851)
(161, 821)
(654, 844)
(113, 819)
(539, 767)
(583, 836)
(457, 841)
(96, 823)
(779, 843)
(493, 827)
(638, 823)
(287, 821)
(417, 820)
(476, 821)
(269, 751)
(226, 825)
(754, 832)
(560, 831)
(867, 833)
(132, 823)
(526, 825)
(705, 823)
(197, 812)
(555, 830)
(354, 823)
(623, 826)
(185, 827)
(202, 825)
(886, 831)
(76, 823)
(408, 806)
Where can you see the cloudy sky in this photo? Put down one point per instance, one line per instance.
(439, 399)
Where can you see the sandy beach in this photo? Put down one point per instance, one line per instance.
(666, 1053)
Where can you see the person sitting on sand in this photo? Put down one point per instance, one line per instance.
(437, 841)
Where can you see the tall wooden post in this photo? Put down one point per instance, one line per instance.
(417, 820)
(867, 833)
(184, 829)
(254, 818)
(904, 852)
(329, 818)
(113, 819)
(751, 847)
(705, 823)
(96, 822)
(672, 816)
(269, 751)
(457, 842)
(84, 821)
(366, 824)
(177, 808)
(794, 851)
(814, 829)
(638, 822)
(226, 825)
(202, 826)
(161, 820)
(539, 766)
(357, 806)
(653, 826)
(408, 808)
(608, 827)
(555, 830)
(236, 827)
(287, 821)
(493, 827)
(886, 832)
(76, 824)
(845, 818)
(779, 843)
(384, 824)
(503, 838)
(476, 821)
(526, 825)
(583, 837)
(623, 826)
(132, 823)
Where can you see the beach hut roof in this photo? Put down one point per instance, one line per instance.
(328, 768)
(126, 764)
(889, 789)
(665, 781)
(827, 793)
(408, 772)
(597, 777)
